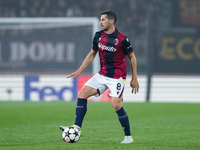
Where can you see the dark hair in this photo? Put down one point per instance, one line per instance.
(110, 15)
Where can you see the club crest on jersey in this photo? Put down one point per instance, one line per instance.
(116, 41)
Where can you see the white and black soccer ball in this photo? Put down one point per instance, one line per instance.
(71, 135)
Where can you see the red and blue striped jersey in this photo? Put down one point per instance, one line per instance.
(113, 49)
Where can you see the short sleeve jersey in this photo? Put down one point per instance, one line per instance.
(113, 49)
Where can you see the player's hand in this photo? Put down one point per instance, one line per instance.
(135, 85)
(74, 74)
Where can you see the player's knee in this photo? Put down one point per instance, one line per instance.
(116, 105)
(86, 92)
(82, 94)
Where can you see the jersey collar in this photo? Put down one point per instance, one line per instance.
(112, 34)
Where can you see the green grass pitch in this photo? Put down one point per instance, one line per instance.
(154, 126)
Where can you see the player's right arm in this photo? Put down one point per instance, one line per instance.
(88, 59)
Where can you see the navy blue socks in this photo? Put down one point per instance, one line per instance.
(123, 119)
(81, 109)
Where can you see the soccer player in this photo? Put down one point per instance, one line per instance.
(112, 46)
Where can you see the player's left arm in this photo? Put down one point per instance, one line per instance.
(134, 82)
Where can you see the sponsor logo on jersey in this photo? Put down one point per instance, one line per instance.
(106, 48)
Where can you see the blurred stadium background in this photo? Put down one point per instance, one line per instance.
(41, 42)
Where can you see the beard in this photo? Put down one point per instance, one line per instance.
(105, 28)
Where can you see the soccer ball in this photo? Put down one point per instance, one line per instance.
(71, 135)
